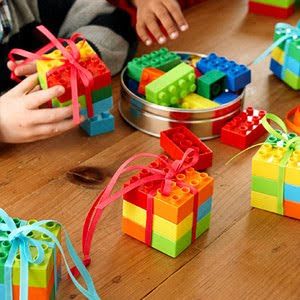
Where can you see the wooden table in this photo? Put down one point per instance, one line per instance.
(247, 253)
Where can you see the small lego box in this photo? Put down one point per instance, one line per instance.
(243, 130)
(177, 140)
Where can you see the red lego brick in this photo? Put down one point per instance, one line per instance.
(243, 130)
(148, 75)
(197, 72)
(270, 10)
(61, 76)
(177, 140)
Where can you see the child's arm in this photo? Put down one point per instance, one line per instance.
(21, 119)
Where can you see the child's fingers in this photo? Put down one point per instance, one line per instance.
(25, 86)
(153, 27)
(35, 100)
(164, 17)
(175, 11)
(11, 65)
(27, 69)
(142, 32)
(51, 115)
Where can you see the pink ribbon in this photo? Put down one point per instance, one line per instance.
(165, 176)
(70, 59)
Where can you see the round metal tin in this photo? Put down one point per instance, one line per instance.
(151, 118)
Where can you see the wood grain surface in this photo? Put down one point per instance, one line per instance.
(246, 254)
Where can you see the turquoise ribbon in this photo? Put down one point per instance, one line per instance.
(21, 242)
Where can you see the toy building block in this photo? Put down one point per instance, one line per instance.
(245, 129)
(162, 59)
(174, 85)
(273, 8)
(237, 76)
(225, 98)
(133, 86)
(177, 140)
(293, 119)
(102, 106)
(148, 75)
(211, 85)
(173, 215)
(195, 101)
(43, 278)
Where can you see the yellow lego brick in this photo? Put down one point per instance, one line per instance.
(265, 202)
(85, 50)
(162, 227)
(292, 171)
(278, 55)
(195, 101)
(265, 162)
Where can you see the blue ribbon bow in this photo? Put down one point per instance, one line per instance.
(21, 242)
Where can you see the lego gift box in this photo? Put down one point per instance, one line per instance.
(276, 172)
(74, 64)
(30, 260)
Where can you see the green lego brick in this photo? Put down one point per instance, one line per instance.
(278, 3)
(278, 33)
(174, 85)
(291, 79)
(211, 84)
(161, 59)
(203, 225)
(265, 186)
(170, 248)
(294, 50)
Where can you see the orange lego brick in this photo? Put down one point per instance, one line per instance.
(292, 209)
(175, 207)
(133, 229)
(148, 75)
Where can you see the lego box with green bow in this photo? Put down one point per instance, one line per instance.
(276, 172)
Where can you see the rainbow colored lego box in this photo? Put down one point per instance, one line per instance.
(177, 218)
(43, 278)
(276, 177)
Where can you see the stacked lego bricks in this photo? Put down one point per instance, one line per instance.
(272, 8)
(176, 218)
(185, 81)
(285, 59)
(267, 183)
(56, 72)
(42, 278)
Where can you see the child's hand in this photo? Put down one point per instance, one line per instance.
(151, 13)
(21, 120)
(24, 70)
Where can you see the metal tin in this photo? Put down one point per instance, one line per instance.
(151, 118)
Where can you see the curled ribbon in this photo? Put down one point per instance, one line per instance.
(70, 59)
(163, 176)
(19, 239)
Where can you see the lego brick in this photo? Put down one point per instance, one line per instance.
(237, 76)
(293, 65)
(176, 141)
(278, 55)
(203, 225)
(174, 85)
(195, 101)
(100, 124)
(278, 3)
(292, 170)
(264, 186)
(99, 107)
(204, 209)
(292, 209)
(294, 50)
(148, 75)
(133, 86)
(280, 31)
(292, 193)
(161, 59)
(243, 130)
(291, 79)
(134, 230)
(211, 84)
(265, 202)
(270, 10)
(276, 68)
(225, 98)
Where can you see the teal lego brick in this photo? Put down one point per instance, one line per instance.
(211, 84)
(265, 186)
(161, 59)
(174, 85)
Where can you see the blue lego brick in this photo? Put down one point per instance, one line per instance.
(99, 124)
(292, 192)
(276, 68)
(225, 98)
(133, 85)
(293, 65)
(204, 209)
(184, 56)
(238, 76)
(99, 107)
